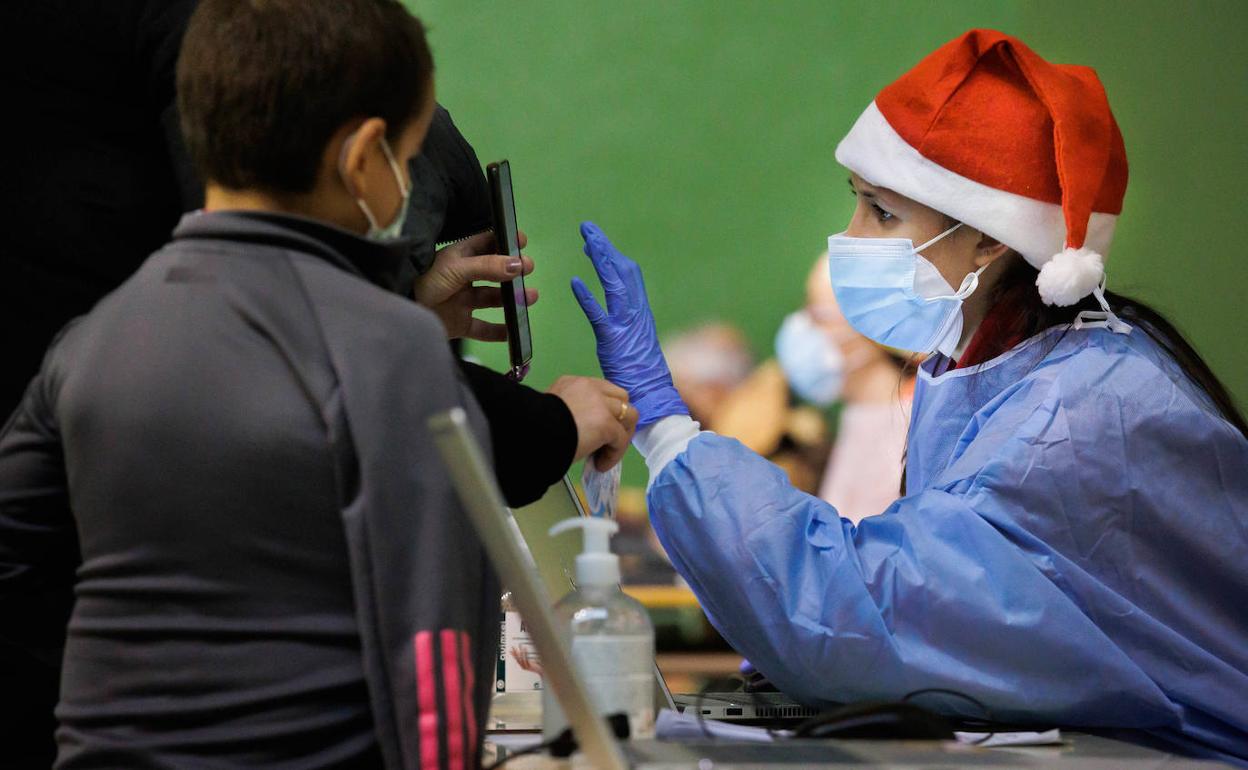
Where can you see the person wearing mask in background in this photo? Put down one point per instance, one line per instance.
(826, 362)
(106, 170)
(234, 444)
(713, 370)
(1070, 547)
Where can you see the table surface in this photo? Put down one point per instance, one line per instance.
(1079, 751)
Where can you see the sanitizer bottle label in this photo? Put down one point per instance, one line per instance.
(521, 669)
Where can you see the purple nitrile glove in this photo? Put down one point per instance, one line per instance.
(628, 345)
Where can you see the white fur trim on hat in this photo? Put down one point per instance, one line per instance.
(1036, 229)
(1070, 276)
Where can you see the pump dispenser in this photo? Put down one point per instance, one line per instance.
(610, 635)
(595, 565)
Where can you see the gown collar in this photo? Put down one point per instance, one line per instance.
(940, 368)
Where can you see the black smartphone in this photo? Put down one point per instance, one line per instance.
(507, 236)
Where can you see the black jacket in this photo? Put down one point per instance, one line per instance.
(274, 565)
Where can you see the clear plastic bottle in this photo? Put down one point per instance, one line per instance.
(610, 635)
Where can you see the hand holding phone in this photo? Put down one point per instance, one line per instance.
(507, 238)
(450, 286)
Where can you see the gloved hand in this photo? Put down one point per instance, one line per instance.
(628, 345)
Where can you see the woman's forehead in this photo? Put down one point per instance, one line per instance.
(874, 191)
(882, 194)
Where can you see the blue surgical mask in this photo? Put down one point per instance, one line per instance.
(891, 294)
(393, 230)
(812, 358)
(812, 361)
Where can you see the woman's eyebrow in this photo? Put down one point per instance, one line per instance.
(863, 193)
(850, 181)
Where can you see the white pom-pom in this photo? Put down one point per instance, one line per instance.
(1070, 276)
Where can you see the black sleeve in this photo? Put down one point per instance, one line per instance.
(38, 559)
(533, 433)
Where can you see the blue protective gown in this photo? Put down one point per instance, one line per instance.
(1073, 550)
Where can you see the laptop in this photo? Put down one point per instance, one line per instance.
(555, 558)
(483, 503)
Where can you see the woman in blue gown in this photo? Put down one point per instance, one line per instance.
(1071, 541)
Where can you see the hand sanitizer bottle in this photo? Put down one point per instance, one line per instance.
(610, 635)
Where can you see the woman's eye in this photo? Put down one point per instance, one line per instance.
(880, 214)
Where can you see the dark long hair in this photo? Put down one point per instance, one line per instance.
(1020, 313)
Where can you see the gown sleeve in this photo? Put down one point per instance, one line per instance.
(931, 594)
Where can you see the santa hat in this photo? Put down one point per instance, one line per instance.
(1028, 152)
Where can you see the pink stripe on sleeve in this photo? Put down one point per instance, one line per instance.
(426, 700)
(454, 700)
(470, 693)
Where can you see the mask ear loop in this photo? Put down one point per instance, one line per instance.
(1105, 318)
(394, 166)
(938, 238)
(969, 283)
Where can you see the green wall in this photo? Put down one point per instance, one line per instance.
(700, 135)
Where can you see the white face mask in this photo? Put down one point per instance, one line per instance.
(892, 295)
(393, 230)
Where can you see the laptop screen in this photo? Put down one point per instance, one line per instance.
(555, 556)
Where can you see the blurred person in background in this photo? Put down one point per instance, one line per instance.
(708, 363)
(714, 368)
(827, 362)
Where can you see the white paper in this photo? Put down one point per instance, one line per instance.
(993, 740)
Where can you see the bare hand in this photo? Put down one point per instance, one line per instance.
(448, 288)
(605, 421)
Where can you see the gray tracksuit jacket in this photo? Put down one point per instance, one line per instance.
(275, 570)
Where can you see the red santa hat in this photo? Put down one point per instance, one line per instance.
(1028, 152)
